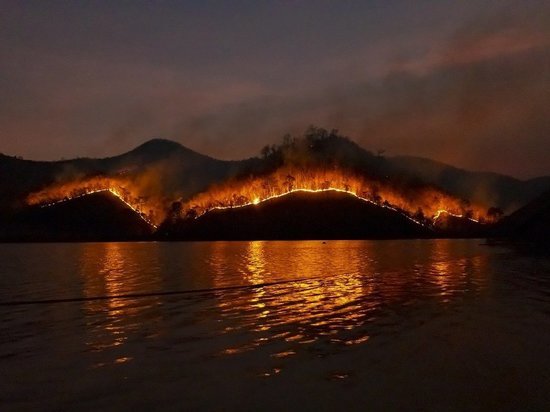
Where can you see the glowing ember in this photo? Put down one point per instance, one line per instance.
(147, 210)
(420, 204)
(257, 201)
(446, 212)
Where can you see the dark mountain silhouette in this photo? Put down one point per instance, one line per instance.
(319, 146)
(181, 172)
(178, 170)
(479, 187)
(531, 222)
(96, 217)
(325, 215)
(167, 170)
(460, 227)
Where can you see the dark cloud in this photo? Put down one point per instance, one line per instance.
(480, 102)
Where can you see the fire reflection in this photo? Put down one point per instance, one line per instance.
(113, 269)
(337, 293)
(254, 275)
(453, 276)
(316, 291)
(255, 265)
(282, 297)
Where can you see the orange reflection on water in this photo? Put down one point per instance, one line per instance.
(255, 275)
(310, 293)
(289, 294)
(453, 275)
(110, 270)
(335, 290)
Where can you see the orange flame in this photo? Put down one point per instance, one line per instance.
(417, 203)
(146, 207)
(421, 204)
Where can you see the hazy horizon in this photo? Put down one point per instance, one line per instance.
(385, 154)
(463, 84)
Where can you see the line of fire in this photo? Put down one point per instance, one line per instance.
(423, 205)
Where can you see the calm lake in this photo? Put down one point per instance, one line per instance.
(347, 325)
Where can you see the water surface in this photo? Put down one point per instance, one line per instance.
(428, 324)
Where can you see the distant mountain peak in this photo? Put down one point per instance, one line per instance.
(158, 144)
(161, 148)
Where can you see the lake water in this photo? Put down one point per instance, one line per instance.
(347, 325)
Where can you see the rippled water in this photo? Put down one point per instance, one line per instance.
(438, 324)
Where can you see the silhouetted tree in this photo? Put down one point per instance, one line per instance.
(174, 212)
(495, 213)
(242, 200)
(419, 215)
(124, 193)
(289, 182)
(464, 206)
(266, 186)
(288, 140)
(374, 195)
(191, 213)
(266, 151)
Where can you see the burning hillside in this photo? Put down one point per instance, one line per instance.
(148, 209)
(318, 162)
(422, 204)
(300, 214)
(98, 216)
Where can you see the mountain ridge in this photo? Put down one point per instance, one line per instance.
(531, 222)
(185, 172)
(460, 181)
(298, 215)
(168, 184)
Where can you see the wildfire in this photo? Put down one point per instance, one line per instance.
(422, 205)
(446, 212)
(145, 208)
(257, 200)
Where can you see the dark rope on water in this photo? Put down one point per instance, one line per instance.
(154, 294)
